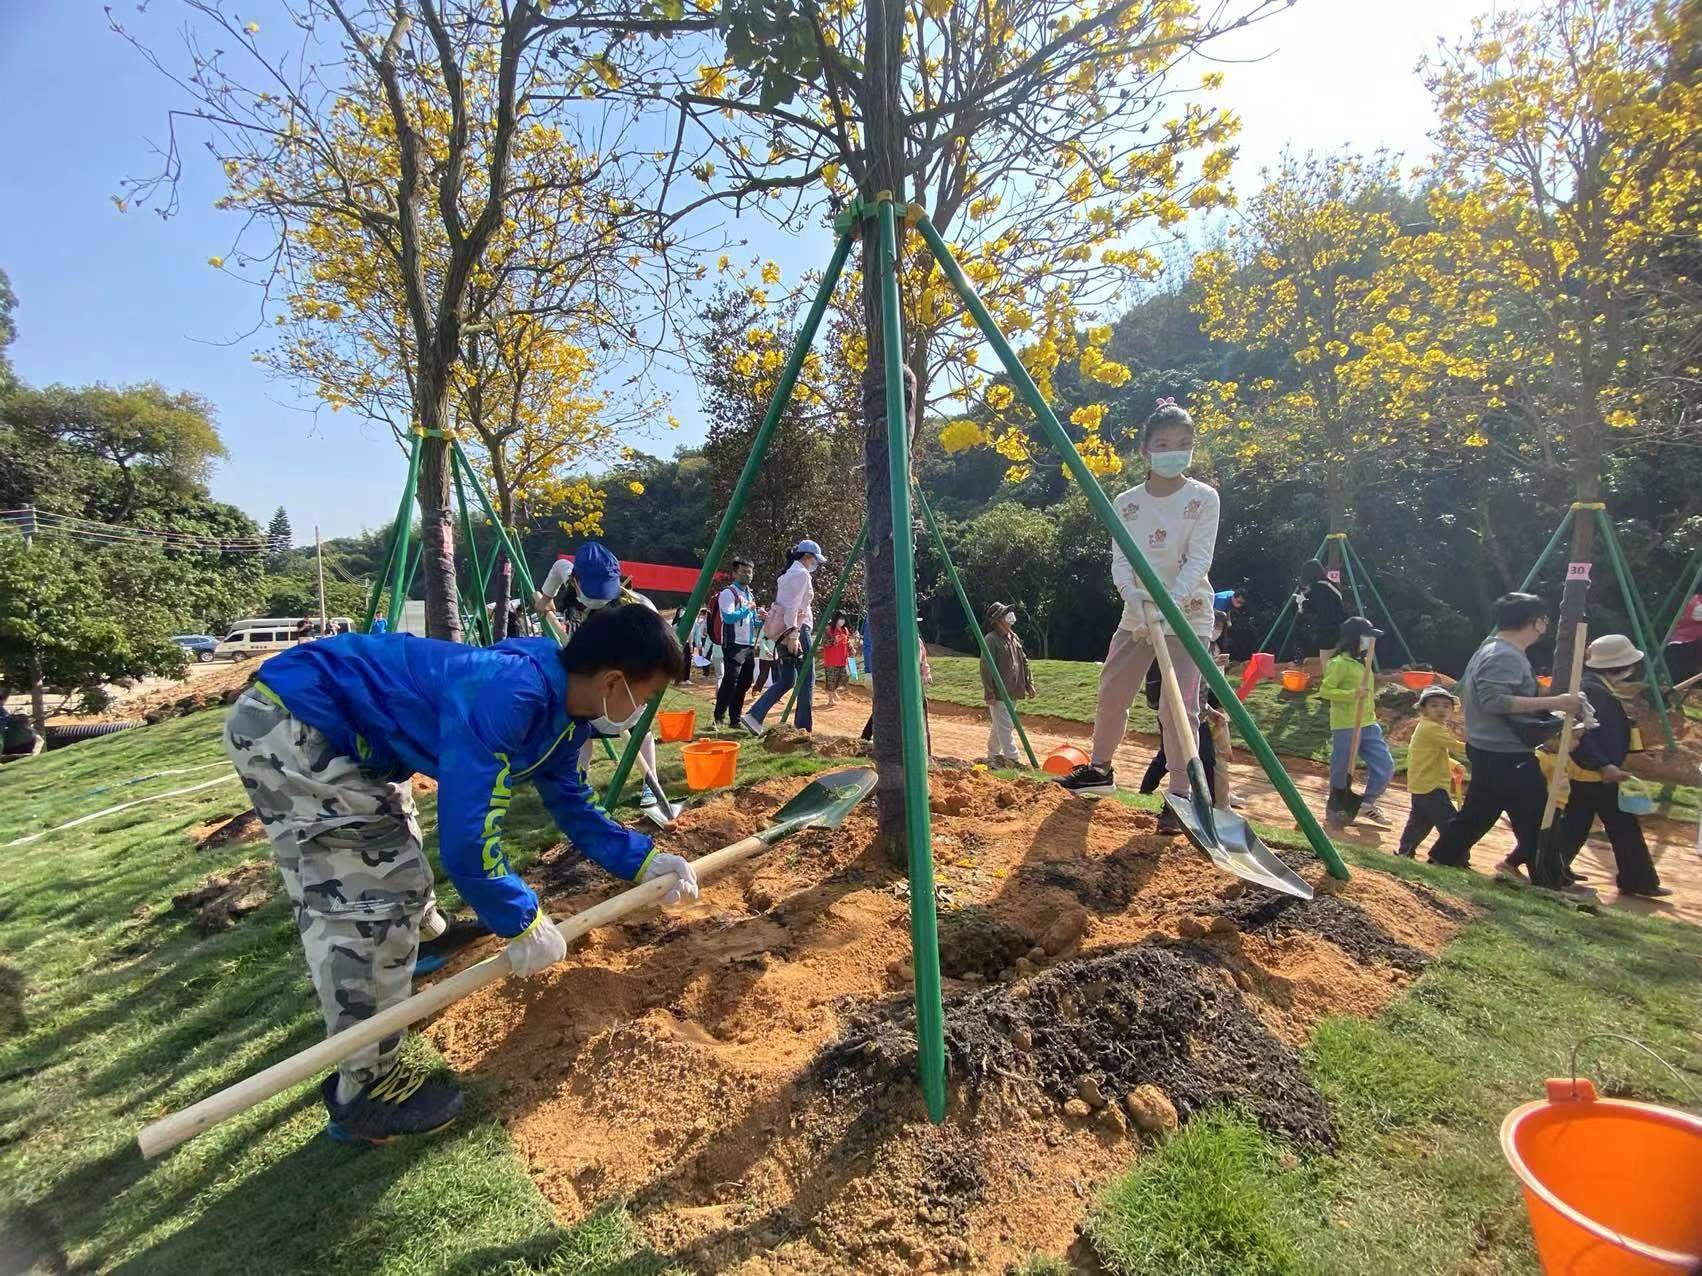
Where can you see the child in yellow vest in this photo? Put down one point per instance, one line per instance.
(1430, 769)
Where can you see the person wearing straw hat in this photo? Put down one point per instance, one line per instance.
(1011, 662)
(1595, 771)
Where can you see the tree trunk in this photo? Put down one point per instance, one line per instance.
(881, 105)
(1336, 490)
(437, 529)
(38, 697)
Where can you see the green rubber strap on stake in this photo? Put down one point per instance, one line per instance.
(404, 524)
(832, 603)
(974, 624)
(1639, 626)
(741, 490)
(924, 920)
(1530, 577)
(1155, 589)
(481, 617)
(1266, 644)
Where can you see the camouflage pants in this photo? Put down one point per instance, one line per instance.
(348, 849)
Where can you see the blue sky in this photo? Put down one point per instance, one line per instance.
(120, 298)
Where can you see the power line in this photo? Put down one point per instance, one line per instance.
(92, 531)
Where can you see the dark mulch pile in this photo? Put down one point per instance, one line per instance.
(1147, 1014)
(1346, 925)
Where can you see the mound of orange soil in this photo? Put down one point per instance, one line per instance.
(743, 1070)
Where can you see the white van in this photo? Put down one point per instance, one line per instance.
(274, 633)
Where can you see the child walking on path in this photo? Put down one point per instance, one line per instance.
(1430, 769)
(836, 658)
(1346, 688)
(1596, 775)
(1173, 519)
(1012, 663)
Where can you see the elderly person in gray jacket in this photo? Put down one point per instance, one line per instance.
(1012, 663)
(1498, 685)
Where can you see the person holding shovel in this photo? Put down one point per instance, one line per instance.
(1012, 664)
(1595, 768)
(1354, 733)
(326, 745)
(1173, 519)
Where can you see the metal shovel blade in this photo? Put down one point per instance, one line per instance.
(1230, 843)
(822, 803)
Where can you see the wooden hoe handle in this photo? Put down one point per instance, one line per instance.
(166, 1133)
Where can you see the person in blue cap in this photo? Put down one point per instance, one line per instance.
(790, 622)
(326, 744)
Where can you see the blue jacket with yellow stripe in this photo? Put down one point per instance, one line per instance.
(478, 720)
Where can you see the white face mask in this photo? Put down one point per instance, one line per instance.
(810, 564)
(1170, 464)
(603, 724)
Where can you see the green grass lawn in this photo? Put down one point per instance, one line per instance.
(114, 1011)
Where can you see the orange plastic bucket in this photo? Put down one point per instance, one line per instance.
(1295, 680)
(1064, 759)
(710, 764)
(1417, 679)
(1612, 1186)
(676, 724)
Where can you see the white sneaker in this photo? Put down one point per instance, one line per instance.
(751, 724)
(1370, 815)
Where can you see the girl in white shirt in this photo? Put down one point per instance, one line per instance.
(1173, 521)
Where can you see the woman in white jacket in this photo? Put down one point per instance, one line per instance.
(1173, 520)
(791, 621)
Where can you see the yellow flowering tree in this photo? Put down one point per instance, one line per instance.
(1566, 183)
(394, 128)
(1340, 363)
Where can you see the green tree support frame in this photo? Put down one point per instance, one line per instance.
(923, 919)
(1641, 630)
(1356, 571)
(1672, 606)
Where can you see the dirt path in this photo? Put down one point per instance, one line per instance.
(961, 732)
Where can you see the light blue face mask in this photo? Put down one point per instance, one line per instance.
(1170, 464)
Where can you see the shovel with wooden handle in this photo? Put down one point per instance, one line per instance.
(1558, 781)
(823, 803)
(1227, 839)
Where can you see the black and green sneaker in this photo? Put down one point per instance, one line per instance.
(401, 1102)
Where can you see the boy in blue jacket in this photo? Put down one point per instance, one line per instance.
(326, 744)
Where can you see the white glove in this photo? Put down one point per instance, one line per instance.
(661, 864)
(536, 949)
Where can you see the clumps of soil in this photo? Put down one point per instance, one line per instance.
(244, 827)
(1087, 959)
(790, 740)
(1095, 1029)
(1346, 925)
(975, 941)
(226, 898)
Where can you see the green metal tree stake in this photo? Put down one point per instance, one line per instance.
(398, 555)
(481, 618)
(741, 489)
(974, 624)
(1154, 587)
(378, 584)
(1352, 579)
(1290, 606)
(827, 613)
(1639, 625)
(1548, 549)
(404, 524)
(1672, 606)
(924, 920)
(1377, 598)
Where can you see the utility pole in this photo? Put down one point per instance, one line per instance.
(38, 693)
(319, 553)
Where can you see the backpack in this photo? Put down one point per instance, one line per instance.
(715, 620)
